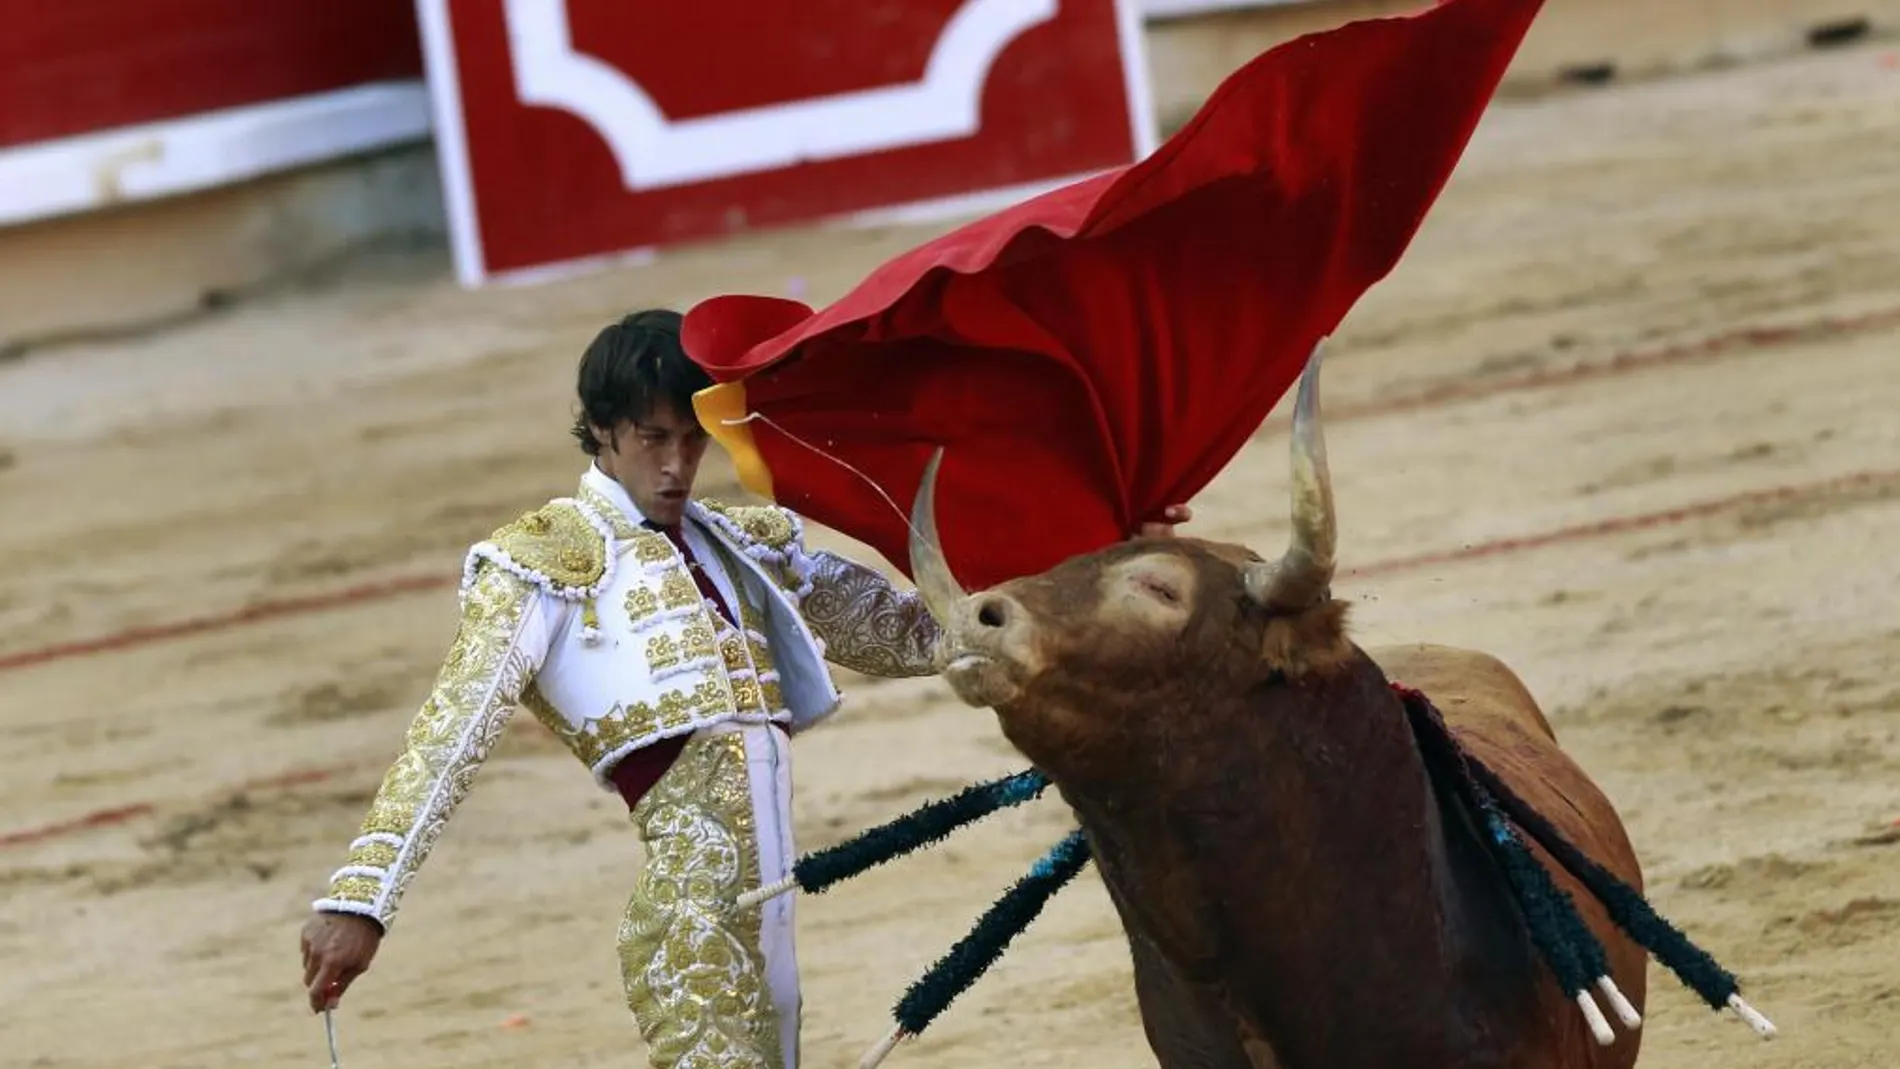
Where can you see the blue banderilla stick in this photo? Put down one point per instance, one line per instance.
(927, 824)
(988, 938)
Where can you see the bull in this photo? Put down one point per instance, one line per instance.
(1295, 889)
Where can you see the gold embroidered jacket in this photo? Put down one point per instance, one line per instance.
(594, 623)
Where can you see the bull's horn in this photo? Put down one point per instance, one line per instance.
(1303, 575)
(937, 586)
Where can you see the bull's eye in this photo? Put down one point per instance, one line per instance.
(1160, 589)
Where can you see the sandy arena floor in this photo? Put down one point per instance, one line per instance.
(1651, 329)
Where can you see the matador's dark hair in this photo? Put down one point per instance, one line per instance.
(632, 367)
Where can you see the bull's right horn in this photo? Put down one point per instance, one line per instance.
(935, 584)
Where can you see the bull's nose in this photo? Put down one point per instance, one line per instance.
(995, 612)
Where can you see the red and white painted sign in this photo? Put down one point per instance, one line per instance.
(577, 130)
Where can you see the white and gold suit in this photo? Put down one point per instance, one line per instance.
(593, 622)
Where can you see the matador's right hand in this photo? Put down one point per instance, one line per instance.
(337, 948)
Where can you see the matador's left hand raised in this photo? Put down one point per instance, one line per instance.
(1174, 514)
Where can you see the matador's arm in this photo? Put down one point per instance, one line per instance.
(867, 624)
(516, 589)
(498, 645)
(871, 626)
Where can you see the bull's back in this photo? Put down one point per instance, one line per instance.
(1498, 720)
(1495, 716)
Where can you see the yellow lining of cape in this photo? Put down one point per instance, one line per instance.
(720, 410)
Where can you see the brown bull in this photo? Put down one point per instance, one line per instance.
(1294, 891)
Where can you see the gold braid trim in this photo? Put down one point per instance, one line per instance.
(693, 967)
(476, 689)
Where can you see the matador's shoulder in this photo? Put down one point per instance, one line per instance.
(563, 548)
(771, 535)
(770, 526)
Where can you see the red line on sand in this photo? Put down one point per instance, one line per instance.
(1624, 363)
(263, 610)
(102, 818)
(1498, 547)
(1621, 524)
(97, 819)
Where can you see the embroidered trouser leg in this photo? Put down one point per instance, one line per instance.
(712, 987)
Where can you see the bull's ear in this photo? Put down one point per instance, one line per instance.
(1297, 641)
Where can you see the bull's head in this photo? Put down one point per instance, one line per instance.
(1136, 629)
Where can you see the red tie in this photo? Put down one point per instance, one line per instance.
(636, 773)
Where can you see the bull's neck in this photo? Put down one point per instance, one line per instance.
(1302, 859)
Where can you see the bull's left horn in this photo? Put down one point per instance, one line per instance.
(935, 583)
(1303, 575)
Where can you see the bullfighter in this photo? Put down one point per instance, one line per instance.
(675, 645)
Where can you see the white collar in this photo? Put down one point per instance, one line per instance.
(616, 494)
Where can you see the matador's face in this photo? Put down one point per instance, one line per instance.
(655, 458)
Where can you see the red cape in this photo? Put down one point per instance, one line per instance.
(1100, 352)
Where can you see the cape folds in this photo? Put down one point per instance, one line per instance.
(1095, 354)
